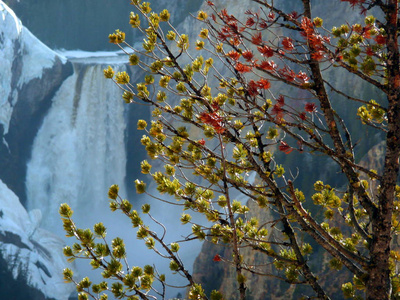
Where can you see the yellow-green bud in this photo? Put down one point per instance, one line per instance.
(108, 73)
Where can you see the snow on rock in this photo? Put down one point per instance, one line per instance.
(30, 249)
(33, 58)
(30, 75)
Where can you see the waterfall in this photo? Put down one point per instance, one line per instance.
(79, 150)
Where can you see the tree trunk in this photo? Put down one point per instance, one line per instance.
(379, 283)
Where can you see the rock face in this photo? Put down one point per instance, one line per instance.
(31, 260)
(221, 276)
(86, 24)
(31, 74)
(30, 257)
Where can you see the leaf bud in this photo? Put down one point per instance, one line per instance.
(68, 274)
(109, 72)
(65, 211)
(100, 229)
(83, 296)
(133, 60)
(185, 218)
(175, 247)
(173, 266)
(318, 22)
(140, 186)
(141, 124)
(113, 191)
(127, 96)
(146, 208)
(122, 78)
(171, 35)
(203, 33)
(165, 15)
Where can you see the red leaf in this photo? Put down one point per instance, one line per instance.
(280, 101)
(310, 107)
(285, 148)
(214, 120)
(250, 22)
(278, 112)
(252, 88)
(380, 39)
(264, 84)
(317, 55)
(294, 15)
(234, 55)
(267, 65)
(303, 76)
(307, 26)
(217, 257)
(271, 15)
(257, 39)
(241, 68)
(287, 44)
(287, 74)
(248, 55)
(370, 52)
(266, 51)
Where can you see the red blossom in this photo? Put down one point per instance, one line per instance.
(210, 3)
(262, 24)
(215, 106)
(217, 257)
(253, 88)
(326, 39)
(247, 55)
(266, 51)
(202, 142)
(267, 65)
(369, 51)
(287, 44)
(234, 55)
(280, 101)
(264, 84)
(310, 107)
(250, 22)
(287, 74)
(307, 26)
(271, 15)
(357, 28)
(285, 148)
(257, 38)
(317, 55)
(214, 120)
(303, 116)
(235, 41)
(303, 76)
(294, 15)
(380, 39)
(278, 112)
(241, 68)
(367, 31)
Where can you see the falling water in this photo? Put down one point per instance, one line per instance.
(79, 150)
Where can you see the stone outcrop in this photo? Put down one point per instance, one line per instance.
(31, 74)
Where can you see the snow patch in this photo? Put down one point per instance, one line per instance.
(31, 249)
(18, 43)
